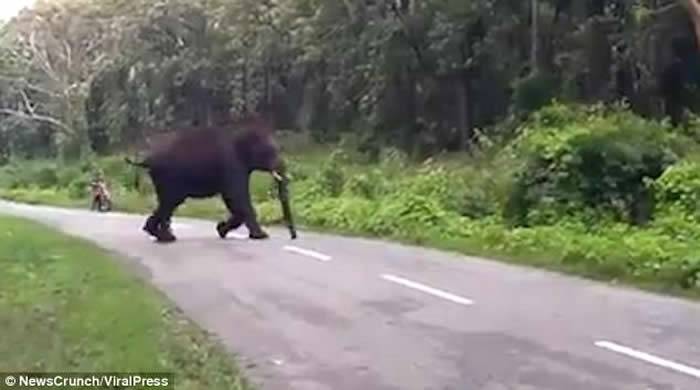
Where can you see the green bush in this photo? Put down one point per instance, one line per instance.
(46, 176)
(68, 175)
(405, 213)
(557, 115)
(348, 213)
(392, 160)
(679, 186)
(604, 163)
(482, 190)
(534, 91)
(79, 188)
(435, 183)
(368, 185)
(117, 172)
(21, 174)
(331, 177)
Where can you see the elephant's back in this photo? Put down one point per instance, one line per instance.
(198, 148)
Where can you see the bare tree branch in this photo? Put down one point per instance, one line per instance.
(42, 58)
(27, 104)
(36, 117)
(25, 84)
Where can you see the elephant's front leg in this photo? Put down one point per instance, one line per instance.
(240, 206)
(255, 231)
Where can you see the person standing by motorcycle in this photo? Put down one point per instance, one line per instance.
(101, 199)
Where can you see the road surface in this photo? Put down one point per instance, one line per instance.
(332, 313)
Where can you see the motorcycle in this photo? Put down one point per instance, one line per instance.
(101, 199)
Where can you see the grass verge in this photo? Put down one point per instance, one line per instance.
(65, 305)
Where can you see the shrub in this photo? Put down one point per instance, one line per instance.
(68, 175)
(369, 185)
(117, 172)
(269, 212)
(604, 164)
(332, 175)
(22, 174)
(407, 213)
(679, 186)
(392, 159)
(46, 176)
(79, 188)
(534, 91)
(348, 213)
(676, 223)
(435, 183)
(481, 190)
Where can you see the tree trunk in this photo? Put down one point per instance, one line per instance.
(413, 127)
(464, 112)
(244, 88)
(464, 79)
(599, 61)
(693, 8)
(534, 7)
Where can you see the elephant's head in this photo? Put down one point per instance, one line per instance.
(259, 152)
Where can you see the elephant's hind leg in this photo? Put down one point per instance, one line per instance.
(158, 224)
(151, 226)
(164, 214)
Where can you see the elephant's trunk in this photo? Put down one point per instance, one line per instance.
(283, 193)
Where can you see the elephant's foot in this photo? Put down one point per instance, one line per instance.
(165, 236)
(161, 232)
(151, 226)
(222, 228)
(165, 233)
(258, 235)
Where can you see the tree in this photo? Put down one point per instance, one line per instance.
(61, 47)
(693, 8)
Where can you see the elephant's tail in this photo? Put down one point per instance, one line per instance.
(142, 164)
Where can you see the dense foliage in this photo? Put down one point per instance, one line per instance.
(83, 76)
(577, 158)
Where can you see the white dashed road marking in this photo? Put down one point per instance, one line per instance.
(649, 358)
(307, 252)
(427, 289)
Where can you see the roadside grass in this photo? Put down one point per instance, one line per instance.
(66, 305)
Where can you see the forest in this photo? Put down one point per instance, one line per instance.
(554, 133)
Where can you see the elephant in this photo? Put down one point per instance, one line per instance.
(204, 162)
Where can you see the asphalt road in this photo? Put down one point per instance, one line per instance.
(327, 312)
